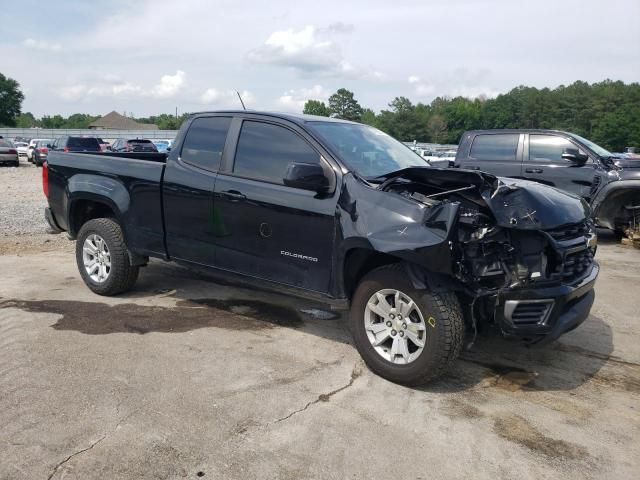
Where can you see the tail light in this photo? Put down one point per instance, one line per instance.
(13, 150)
(45, 179)
(43, 150)
(65, 149)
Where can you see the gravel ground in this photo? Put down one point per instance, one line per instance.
(23, 228)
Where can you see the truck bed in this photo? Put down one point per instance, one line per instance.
(132, 182)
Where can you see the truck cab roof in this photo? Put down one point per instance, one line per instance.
(299, 118)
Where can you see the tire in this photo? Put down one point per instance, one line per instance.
(443, 333)
(121, 275)
(17, 164)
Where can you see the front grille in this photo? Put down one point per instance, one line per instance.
(528, 313)
(569, 232)
(576, 264)
(573, 255)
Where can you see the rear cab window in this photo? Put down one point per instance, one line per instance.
(83, 142)
(498, 147)
(265, 151)
(204, 142)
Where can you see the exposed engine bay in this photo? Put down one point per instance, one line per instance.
(503, 235)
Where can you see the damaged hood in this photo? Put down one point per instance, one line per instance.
(515, 203)
(528, 205)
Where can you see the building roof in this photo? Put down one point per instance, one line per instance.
(115, 121)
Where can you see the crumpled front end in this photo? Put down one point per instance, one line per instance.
(520, 254)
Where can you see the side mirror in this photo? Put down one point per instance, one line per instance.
(168, 149)
(49, 145)
(574, 156)
(306, 176)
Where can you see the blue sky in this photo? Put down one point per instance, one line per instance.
(148, 57)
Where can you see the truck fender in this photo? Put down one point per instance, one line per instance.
(99, 189)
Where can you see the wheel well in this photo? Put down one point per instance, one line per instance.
(612, 212)
(359, 262)
(84, 210)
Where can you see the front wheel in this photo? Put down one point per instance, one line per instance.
(102, 258)
(405, 335)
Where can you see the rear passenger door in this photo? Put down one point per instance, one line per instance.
(269, 230)
(191, 225)
(497, 153)
(544, 163)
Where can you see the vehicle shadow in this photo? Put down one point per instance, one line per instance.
(565, 364)
(200, 301)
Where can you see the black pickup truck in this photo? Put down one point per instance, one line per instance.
(564, 160)
(341, 212)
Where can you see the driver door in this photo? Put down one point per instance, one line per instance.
(267, 229)
(543, 163)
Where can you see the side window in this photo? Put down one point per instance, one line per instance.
(548, 148)
(499, 147)
(204, 142)
(265, 151)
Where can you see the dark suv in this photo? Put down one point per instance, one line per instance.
(133, 145)
(564, 160)
(76, 144)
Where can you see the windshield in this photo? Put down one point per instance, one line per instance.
(367, 150)
(597, 149)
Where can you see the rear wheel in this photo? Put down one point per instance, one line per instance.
(102, 258)
(405, 335)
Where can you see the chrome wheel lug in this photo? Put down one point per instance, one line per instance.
(393, 333)
(389, 324)
(404, 325)
(392, 316)
(401, 333)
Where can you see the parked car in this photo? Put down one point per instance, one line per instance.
(8, 153)
(564, 160)
(133, 145)
(21, 147)
(343, 213)
(76, 144)
(32, 146)
(41, 152)
(163, 146)
(104, 146)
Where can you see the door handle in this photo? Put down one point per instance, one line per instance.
(234, 195)
(533, 170)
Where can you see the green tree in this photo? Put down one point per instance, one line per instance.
(368, 117)
(343, 105)
(316, 107)
(26, 120)
(11, 98)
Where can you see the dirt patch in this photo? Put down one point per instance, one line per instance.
(518, 430)
(457, 408)
(506, 377)
(94, 318)
(34, 244)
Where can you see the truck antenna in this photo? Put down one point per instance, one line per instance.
(243, 107)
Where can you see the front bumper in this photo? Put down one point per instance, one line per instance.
(541, 315)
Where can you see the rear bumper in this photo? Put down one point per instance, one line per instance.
(542, 315)
(51, 220)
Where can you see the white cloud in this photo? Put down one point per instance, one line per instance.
(113, 86)
(310, 51)
(294, 100)
(458, 83)
(42, 45)
(226, 98)
(169, 85)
